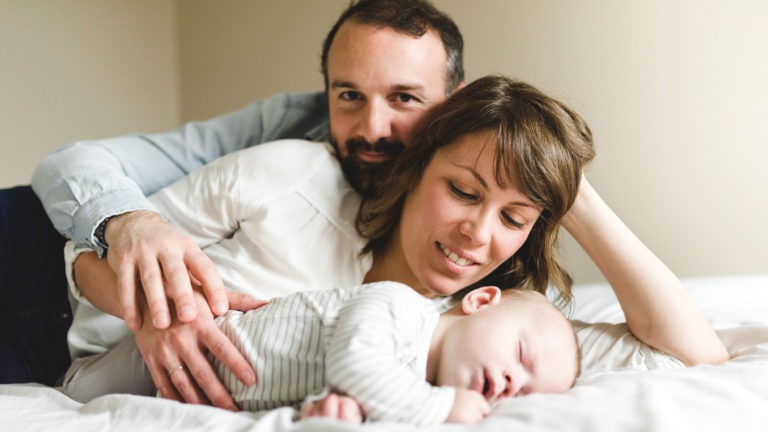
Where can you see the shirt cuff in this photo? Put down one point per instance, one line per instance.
(71, 252)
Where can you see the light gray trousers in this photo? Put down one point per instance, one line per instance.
(118, 370)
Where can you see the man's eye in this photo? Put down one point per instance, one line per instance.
(349, 95)
(460, 193)
(404, 98)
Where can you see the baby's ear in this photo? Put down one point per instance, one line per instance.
(479, 298)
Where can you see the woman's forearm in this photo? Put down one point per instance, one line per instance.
(658, 308)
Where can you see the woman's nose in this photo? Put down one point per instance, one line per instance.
(476, 229)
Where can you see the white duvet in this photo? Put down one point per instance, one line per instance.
(625, 385)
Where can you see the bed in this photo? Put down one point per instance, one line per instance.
(625, 385)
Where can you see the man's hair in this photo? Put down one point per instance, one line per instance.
(540, 141)
(412, 18)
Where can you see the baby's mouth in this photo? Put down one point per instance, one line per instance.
(488, 387)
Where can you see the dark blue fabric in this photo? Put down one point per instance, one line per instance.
(34, 309)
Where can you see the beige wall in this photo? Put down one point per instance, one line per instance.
(675, 92)
(78, 69)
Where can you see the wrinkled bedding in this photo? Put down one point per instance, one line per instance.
(625, 385)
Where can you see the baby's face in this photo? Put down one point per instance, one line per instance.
(519, 346)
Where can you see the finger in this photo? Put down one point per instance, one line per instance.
(243, 302)
(179, 287)
(154, 291)
(204, 377)
(350, 410)
(126, 291)
(329, 406)
(225, 351)
(186, 386)
(161, 379)
(310, 410)
(202, 269)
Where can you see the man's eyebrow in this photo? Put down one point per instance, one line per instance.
(395, 88)
(342, 84)
(407, 87)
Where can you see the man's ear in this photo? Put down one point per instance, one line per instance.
(479, 298)
(458, 87)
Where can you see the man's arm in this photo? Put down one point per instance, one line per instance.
(179, 344)
(87, 182)
(658, 308)
(209, 204)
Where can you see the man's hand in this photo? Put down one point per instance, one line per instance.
(336, 406)
(468, 407)
(176, 356)
(145, 250)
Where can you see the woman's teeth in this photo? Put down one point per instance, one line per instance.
(455, 258)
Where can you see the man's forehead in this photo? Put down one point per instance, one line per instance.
(360, 50)
(351, 83)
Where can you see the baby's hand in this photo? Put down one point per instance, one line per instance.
(339, 407)
(468, 407)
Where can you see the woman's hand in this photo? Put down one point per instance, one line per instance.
(177, 361)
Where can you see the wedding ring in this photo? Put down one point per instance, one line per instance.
(176, 369)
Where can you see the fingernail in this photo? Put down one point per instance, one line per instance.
(160, 322)
(221, 307)
(186, 312)
(249, 378)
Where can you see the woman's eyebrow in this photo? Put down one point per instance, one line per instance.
(484, 184)
(479, 178)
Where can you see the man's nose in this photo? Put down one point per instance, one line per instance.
(376, 121)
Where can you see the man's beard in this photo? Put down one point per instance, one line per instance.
(367, 177)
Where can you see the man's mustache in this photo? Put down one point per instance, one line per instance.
(385, 146)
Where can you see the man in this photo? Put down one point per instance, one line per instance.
(385, 63)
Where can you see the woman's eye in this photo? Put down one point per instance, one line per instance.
(509, 220)
(460, 193)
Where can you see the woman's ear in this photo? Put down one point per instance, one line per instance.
(479, 298)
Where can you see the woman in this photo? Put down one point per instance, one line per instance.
(478, 199)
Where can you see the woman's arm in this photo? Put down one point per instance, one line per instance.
(658, 308)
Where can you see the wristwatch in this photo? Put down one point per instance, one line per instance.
(99, 234)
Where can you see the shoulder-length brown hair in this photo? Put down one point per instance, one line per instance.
(541, 142)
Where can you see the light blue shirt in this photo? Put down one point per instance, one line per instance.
(82, 184)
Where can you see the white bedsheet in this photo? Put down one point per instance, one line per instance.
(625, 386)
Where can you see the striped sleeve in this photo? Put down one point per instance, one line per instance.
(377, 355)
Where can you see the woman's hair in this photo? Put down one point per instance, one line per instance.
(542, 147)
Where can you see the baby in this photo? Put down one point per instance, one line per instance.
(387, 347)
